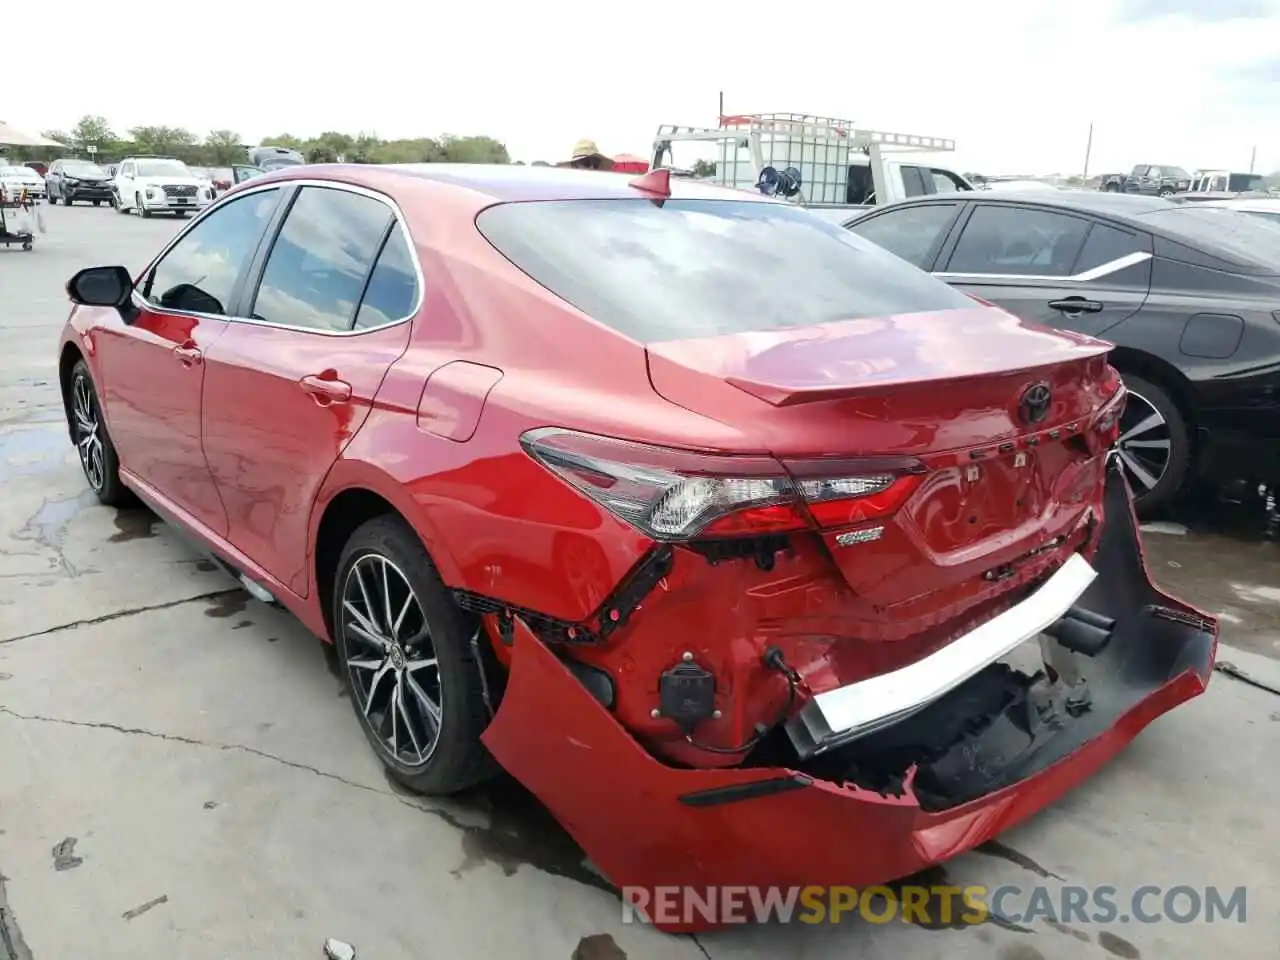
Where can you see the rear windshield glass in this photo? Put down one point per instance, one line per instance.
(1233, 234)
(700, 268)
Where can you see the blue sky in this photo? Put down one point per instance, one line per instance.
(1188, 82)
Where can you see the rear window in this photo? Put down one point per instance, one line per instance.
(1233, 234)
(680, 269)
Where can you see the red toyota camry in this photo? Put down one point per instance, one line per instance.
(720, 528)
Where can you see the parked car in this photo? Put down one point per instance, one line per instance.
(153, 185)
(38, 166)
(72, 180)
(1261, 206)
(1148, 179)
(1189, 295)
(687, 551)
(15, 181)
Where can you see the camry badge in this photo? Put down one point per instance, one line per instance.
(1033, 406)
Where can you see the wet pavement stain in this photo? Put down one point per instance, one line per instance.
(994, 848)
(29, 451)
(64, 855)
(211, 804)
(149, 905)
(1228, 563)
(12, 946)
(1020, 951)
(9, 676)
(520, 832)
(227, 604)
(599, 946)
(206, 566)
(945, 908)
(48, 525)
(1118, 946)
(242, 624)
(1069, 931)
(136, 524)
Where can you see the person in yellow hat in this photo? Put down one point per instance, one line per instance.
(587, 156)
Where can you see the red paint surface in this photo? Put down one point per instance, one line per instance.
(234, 441)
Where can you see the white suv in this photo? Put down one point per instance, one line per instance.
(158, 185)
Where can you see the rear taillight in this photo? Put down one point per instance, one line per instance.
(1106, 423)
(675, 495)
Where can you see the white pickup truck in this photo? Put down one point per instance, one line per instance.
(841, 167)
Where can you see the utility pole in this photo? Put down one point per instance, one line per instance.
(1253, 158)
(721, 113)
(1088, 149)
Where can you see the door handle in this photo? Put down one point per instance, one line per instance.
(188, 353)
(326, 391)
(1076, 305)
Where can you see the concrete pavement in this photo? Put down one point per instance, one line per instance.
(180, 776)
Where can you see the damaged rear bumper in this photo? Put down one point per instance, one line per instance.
(646, 824)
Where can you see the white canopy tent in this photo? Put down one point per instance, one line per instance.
(11, 136)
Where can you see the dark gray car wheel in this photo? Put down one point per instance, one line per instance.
(414, 664)
(1154, 445)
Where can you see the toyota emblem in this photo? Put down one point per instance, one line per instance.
(1033, 407)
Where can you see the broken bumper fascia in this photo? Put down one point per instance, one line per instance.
(842, 715)
(645, 824)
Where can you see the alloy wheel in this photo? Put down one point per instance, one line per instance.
(1145, 445)
(391, 659)
(88, 432)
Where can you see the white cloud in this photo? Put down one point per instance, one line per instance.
(1015, 84)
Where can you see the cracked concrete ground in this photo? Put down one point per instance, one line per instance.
(179, 776)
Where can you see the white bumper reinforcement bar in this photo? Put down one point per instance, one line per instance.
(846, 713)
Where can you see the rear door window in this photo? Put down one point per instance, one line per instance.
(1105, 245)
(913, 232)
(392, 293)
(699, 268)
(316, 273)
(1018, 241)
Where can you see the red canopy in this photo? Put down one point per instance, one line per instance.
(629, 163)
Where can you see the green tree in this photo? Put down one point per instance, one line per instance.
(168, 141)
(92, 130)
(222, 148)
(286, 140)
(473, 150)
(704, 168)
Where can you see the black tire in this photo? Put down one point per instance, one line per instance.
(67, 201)
(97, 203)
(1166, 192)
(1146, 398)
(118, 203)
(180, 214)
(105, 483)
(1112, 188)
(142, 211)
(457, 759)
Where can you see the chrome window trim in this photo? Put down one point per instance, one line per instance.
(142, 302)
(1088, 276)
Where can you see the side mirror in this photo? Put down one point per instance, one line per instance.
(101, 287)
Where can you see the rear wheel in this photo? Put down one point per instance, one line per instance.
(67, 201)
(411, 661)
(97, 203)
(93, 444)
(1154, 445)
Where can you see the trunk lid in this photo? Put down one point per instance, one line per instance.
(954, 389)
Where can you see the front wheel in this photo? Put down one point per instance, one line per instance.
(97, 203)
(411, 660)
(93, 444)
(1154, 446)
(142, 211)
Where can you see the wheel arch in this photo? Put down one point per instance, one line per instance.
(67, 361)
(1163, 374)
(355, 493)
